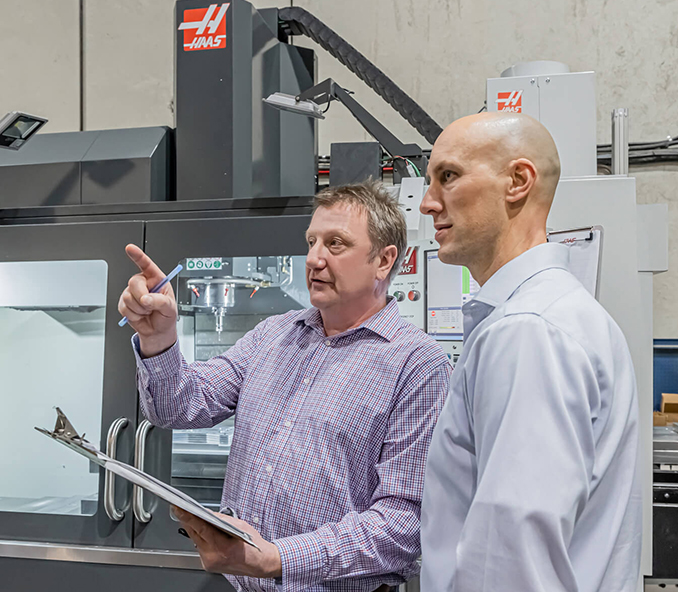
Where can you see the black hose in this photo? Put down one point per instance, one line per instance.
(640, 157)
(300, 21)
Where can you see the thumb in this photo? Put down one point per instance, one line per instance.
(162, 303)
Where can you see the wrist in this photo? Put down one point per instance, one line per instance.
(273, 564)
(149, 347)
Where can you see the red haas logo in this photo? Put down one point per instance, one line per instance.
(203, 29)
(510, 102)
(409, 266)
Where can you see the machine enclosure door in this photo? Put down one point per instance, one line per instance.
(101, 245)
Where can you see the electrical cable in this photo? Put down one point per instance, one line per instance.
(407, 160)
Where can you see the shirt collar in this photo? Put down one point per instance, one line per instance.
(506, 280)
(384, 323)
(501, 286)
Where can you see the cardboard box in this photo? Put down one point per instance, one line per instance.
(658, 419)
(669, 403)
(670, 407)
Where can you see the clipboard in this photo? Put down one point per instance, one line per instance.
(65, 434)
(586, 249)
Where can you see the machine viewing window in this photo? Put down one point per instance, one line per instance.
(448, 288)
(220, 299)
(52, 322)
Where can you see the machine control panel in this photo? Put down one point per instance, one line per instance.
(430, 295)
(408, 286)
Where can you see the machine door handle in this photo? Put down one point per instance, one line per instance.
(139, 453)
(109, 479)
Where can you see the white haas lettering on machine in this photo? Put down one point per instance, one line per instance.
(203, 29)
(510, 102)
(409, 266)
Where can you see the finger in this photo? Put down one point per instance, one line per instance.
(138, 286)
(195, 536)
(160, 303)
(241, 524)
(133, 319)
(163, 301)
(213, 536)
(188, 520)
(129, 304)
(145, 264)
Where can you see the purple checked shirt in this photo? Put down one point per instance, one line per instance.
(330, 441)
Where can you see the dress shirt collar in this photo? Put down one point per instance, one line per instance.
(505, 281)
(384, 323)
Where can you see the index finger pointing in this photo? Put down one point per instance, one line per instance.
(145, 264)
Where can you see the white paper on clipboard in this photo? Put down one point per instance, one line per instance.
(586, 248)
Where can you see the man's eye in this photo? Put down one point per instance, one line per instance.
(448, 175)
(310, 242)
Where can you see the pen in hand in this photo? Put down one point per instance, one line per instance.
(168, 278)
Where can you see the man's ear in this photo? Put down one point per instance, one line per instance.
(523, 177)
(387, 259)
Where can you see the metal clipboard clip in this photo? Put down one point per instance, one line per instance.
(65, 433)
(568, 241)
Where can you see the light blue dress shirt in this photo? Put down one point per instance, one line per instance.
(532, 481)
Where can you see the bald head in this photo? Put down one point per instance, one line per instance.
(492, 181)
(499, 138)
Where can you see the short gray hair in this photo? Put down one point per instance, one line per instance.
(386, 224)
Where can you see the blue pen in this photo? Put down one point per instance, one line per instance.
(168, 278)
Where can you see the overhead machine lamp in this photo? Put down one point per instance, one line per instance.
(294, 105)
(16, 128)
(308, 103)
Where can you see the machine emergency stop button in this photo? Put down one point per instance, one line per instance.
(414, 295)
(399, 296)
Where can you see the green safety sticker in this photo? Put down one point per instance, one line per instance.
(203, 263)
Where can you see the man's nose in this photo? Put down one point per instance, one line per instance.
(315, 258)
(430, 205)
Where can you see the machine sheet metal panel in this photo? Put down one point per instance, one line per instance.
(230, 144)
(564, 103)
(98, 167)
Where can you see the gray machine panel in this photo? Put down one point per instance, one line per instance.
(29, 575)
(98, 167)
(46, 171)
(229, 144)
(127, 165)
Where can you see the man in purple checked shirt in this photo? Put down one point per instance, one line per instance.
(336, 406)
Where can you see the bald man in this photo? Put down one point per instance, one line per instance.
(531, 481)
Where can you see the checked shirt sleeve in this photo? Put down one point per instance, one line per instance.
(383, 540)
(178, 395)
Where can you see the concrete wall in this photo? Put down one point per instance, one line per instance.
(439, 51)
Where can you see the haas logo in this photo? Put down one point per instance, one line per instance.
(511, 102)
(409, 266)
(205, 28)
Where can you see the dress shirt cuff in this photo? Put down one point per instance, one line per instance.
(303, 561)
(160, 367)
